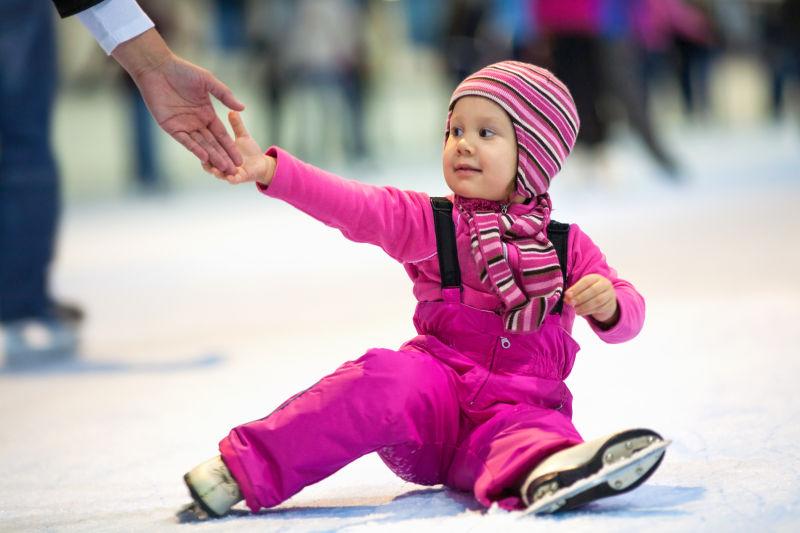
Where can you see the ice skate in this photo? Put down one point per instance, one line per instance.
(596, 469)
(35, 342)
(213, 489)
(191, 513)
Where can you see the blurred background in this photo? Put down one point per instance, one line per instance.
(364, 84)
(687, 175)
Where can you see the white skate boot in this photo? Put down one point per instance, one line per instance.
(213, 488)
(602, 467)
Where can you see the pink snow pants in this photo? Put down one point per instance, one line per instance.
(464, 404)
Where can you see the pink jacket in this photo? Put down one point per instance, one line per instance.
(570, 17)
(401, 223)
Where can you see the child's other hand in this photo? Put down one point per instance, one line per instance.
(255, 166)
(593, 295)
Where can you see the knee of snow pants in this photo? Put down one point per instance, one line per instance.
(400, 403)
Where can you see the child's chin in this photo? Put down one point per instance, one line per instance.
(465, 191)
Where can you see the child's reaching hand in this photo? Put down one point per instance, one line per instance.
(256, 165)
(594, 295)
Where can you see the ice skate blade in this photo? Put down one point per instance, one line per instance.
(190, 513)
(618, 476)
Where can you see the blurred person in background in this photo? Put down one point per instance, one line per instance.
(598, 48)
(466, 46)
(323, 56)
(229, 24)
(779, 25)
(694, 49)
(35, 326)
(479, 33)
(426, 22)
(269, 19)
(514, 20)
(570, 33)
(678, 37)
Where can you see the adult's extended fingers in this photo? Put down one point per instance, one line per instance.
(223, 93)
(216, 150)
(198, 138)
(216, 155)
(190, 144)
(219, 132)
(208, 167)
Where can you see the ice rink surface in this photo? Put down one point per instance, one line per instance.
(203, 314)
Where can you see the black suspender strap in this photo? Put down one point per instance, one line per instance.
(558, 233)
(446, 242)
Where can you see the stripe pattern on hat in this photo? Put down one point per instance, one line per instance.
(542, 112)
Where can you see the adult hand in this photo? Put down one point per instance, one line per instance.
(593, 295)
(177, 94)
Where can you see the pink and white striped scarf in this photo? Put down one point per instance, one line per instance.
(529, 293)
(546, 126)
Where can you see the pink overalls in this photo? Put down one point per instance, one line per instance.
(463, 404)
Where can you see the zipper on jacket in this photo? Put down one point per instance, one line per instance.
(488, 374)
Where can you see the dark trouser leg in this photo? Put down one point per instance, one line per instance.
(29, 188)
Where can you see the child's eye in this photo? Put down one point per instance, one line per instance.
(486, 132)
(455, 131)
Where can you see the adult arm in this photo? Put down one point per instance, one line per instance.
(177, 94)
(175, 91)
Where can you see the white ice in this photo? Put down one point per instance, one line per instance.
(208, 309)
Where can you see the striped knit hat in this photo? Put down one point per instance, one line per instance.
(543, 114)
(546, 125)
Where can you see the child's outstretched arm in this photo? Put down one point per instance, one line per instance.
(256, 166)
(397, 221)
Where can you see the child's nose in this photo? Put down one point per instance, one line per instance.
(464, 146)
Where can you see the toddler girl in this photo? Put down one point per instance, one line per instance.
(477, 401)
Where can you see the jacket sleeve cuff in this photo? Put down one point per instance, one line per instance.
(626, 328)
(112, 22)
(282, 176)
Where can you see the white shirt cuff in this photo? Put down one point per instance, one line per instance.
(113, 22)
